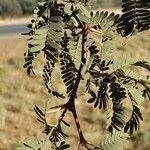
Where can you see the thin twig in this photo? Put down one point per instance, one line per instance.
(83, 142)
(62, 116)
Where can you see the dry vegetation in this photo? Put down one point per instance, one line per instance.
(10, 21)
(19, 93)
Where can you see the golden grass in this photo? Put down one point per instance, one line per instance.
(19, 93)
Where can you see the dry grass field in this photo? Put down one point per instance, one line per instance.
(19, 93)
(10, 21)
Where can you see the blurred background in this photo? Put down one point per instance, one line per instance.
(19, 93)
(12, 8)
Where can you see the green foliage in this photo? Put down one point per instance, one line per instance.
(115, 141)
(135, 16)
(33, 143)
(133, 123)
(64, 32)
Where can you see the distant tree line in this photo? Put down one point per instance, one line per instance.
(24, 7)
(16, 7)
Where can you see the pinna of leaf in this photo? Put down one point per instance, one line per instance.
(63, 31)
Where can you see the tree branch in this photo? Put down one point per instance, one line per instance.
(70, 105)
